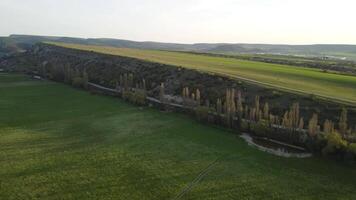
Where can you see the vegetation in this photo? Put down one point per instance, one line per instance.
(57, 142)
(288, 128)
(297, 79)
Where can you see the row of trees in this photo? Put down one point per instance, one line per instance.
(233, 111)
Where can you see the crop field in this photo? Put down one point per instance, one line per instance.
(57, 142)
(336, 87)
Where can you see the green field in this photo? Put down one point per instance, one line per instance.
(57, 142)
(341, 88)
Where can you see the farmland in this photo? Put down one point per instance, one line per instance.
(336, 87)
(57, 142)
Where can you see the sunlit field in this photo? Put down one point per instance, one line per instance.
(336, 87)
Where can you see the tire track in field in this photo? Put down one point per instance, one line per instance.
(196, 181)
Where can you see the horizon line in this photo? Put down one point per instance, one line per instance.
(178, 43)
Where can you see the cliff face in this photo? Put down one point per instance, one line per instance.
(106, 70)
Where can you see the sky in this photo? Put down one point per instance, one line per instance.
(186, 21)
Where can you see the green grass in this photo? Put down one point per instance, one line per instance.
(57, 142)
(297, 79)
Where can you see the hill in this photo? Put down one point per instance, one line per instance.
(323, 50)
(308, 81)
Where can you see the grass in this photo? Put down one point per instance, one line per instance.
(337, 87)
(57, 142)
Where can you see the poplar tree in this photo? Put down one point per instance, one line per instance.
(161, 92)
(121, 80)
(257, 108)
(117, 85)
(185, 92)
(266, 111)
(328, 127)
(126, 83)
(246, 111)
(197, 96)
(253, 114)
(313, 125)
(239, 105)
(131, 80)
(301, 123)
(230, 106)
(85, 79)
(343, 121)
(219, 106)
(144, 85)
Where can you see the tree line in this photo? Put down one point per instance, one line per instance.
(328, 138)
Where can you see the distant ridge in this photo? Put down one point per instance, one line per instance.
(18, 42)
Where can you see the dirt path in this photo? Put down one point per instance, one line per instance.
(196, 181)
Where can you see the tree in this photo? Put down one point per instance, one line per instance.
(68, 74)
(219, 106)
(161, 92)
(291, 117)
(286, 120)
(144, 84)
(253, 114)
(328, 126)
(301, 123)
(126, 83)
(117, 85)
(186, 92)
(131, 81)
(85, 79)
(246, 111)
(197, 96)
(257, 108)
(266, 111)
(313, 125)
(230, 106)
(121, 81)
(343, 122)
(294, 115)
(335, 144)
(239, 105)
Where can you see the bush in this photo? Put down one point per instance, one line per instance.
(335, 144)
(126, 95)
(202, 113)
(244, 126)
(316, 143)
(138, 97)
(78, 82)
(352, 148)
(260, 129)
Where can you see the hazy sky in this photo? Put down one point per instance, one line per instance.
(186, 21)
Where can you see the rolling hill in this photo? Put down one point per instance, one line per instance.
(323, 50)
(336, 87)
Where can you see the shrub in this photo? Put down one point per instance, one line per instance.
(352, 148)
(260, 129)
(126, 94)
(202, 113)
(78, 82)
(138, 97)
(335, 144)
(244, 125)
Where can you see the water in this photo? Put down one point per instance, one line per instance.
(276, 148)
